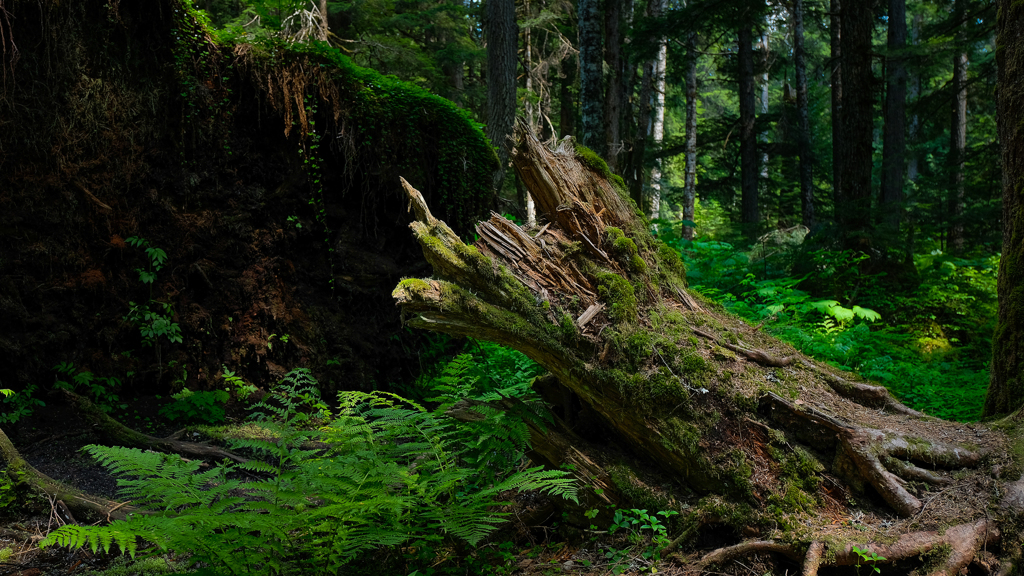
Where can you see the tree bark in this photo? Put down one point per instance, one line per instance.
(1006, 388)
(749, 215)
(658, 111)
(806, 162)
(836, 36)
(894, 144)
(614, 93)
(856, 121)
(957, 143)
(502, 38)
(690, 181)
(713, 410)
(591, 77)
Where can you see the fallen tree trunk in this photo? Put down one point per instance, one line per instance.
(749, 436)
(118, 434)
(86, 505)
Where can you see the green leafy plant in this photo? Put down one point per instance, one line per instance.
(386, 473)
(270, 340)
(235, 382)
(103, 391)
(204, 406)
(865, 555)
(18, 405)
(157, 258)
(636, 523)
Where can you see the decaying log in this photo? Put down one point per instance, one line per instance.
(121, 435)
(741, 428)
(20, 471)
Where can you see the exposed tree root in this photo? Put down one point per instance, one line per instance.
(77, 501)
(864, 394)
(872, 450)
(762, 358)
(122, 435)
(963, 542)
(812, 560)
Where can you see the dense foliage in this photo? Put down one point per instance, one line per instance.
(326, 486)
(926, 335)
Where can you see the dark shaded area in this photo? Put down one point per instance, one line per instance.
(267, 175)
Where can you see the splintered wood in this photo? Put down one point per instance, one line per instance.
(537, 261)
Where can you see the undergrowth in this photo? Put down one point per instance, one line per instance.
(331, 485)
(927, 338)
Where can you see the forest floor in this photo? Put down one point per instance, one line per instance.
(532, 543)
(52, 441)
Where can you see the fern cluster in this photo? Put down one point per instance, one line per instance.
(384, 471)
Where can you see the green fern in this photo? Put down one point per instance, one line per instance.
(389, 472)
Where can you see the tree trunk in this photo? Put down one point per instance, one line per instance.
(613, 96)
(836, 35)
(690, 181)
(712, 417)
(957, 145)
(856, 120)
(894, 144)
(749, 215)
(635, 172)
(1006, 389)
(591, 77)
(566, 99)
(658, 111)
(913, 91)
(806, 162)
(502, 38)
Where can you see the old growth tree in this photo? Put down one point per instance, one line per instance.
(686, 407)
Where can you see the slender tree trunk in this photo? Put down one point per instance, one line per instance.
(913, 91)
(658, 124)
(894, 143)
(957, 146)
(836, 36)
(857, 117)
(591, 77)
(531, 118)
(749, 215)
(636, 164)
(502, 37)
(566, 98)
(324, 28)
(690, 181)
(1006, 388)
(806, 162)
(614, 92)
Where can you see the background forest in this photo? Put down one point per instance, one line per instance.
(724, 120)
(833, 181)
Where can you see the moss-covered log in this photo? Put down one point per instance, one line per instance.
(747, 434)
(86, 505)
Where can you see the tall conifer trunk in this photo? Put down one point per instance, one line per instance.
(613, 96)
(502, 37)
(894, 144)
(591, 78)
(690, 180)
(836, 64)
(1006, 388)
(806, 162)
(854, 209)
(749, 214)
(958, 142)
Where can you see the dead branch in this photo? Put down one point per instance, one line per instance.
(125, 436)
